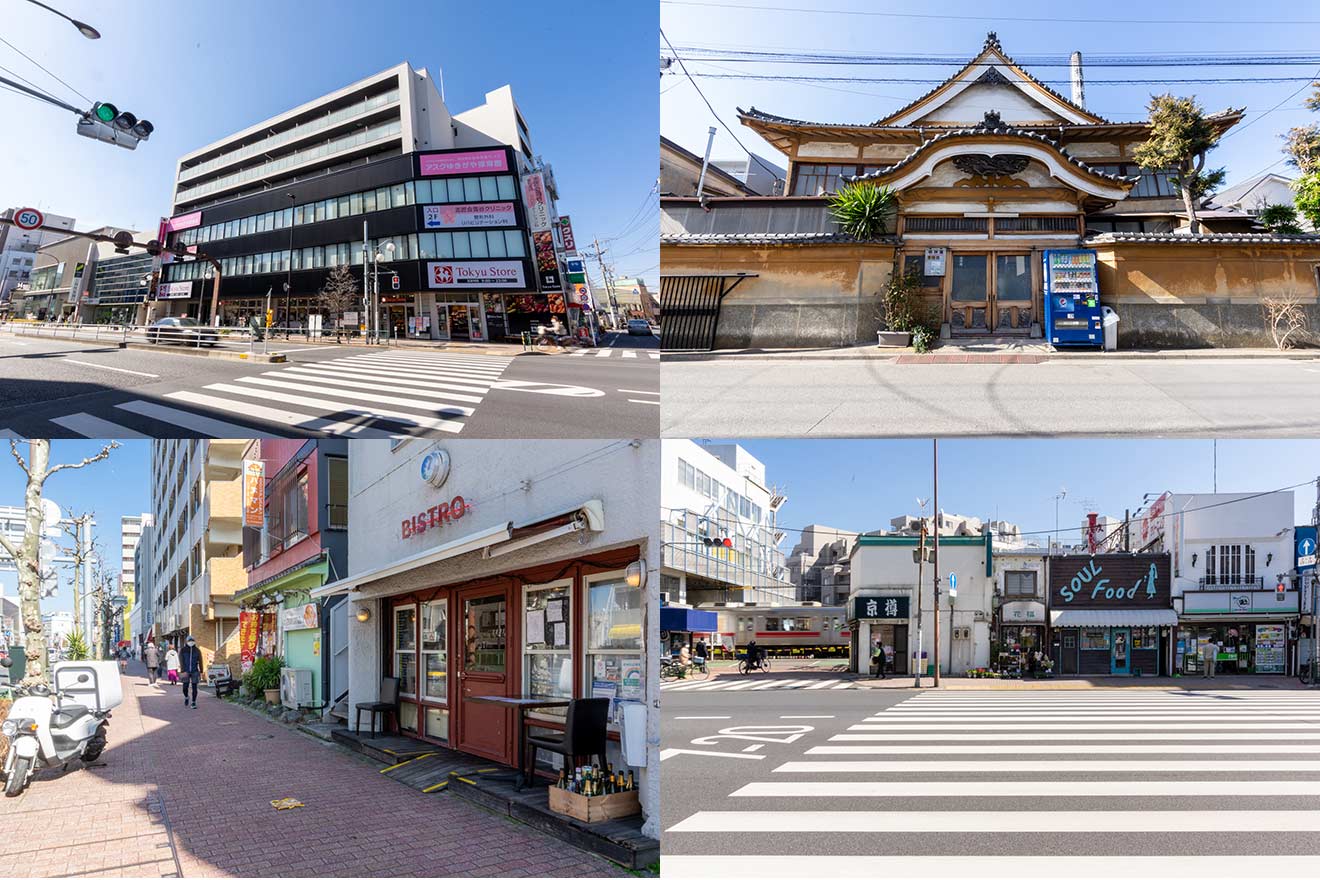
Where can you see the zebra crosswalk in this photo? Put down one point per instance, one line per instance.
(1048, 783)
(757, 683)
(374, 395)
(626, 354)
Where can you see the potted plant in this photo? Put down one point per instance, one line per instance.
(264, 678)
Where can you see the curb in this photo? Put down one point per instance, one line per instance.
(1007, 359)
(253, 358)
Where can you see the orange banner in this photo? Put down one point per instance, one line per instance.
(254, 493)
(249, 623)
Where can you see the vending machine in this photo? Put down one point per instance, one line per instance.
(1072, 298)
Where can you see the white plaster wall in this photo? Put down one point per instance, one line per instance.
(827, 150)
(490, 123)
(971, 105)
(517, 481)
(428, 125)
(1266, 523)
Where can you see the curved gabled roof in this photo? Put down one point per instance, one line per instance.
(992, 48)
(992, 126)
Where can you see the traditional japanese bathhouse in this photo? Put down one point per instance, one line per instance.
(989, 169)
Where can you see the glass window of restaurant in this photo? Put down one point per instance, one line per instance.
(405, 664)
(548, 644)
(434, 650)
(614, 652)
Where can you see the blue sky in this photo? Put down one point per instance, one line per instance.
(583, 74)
(119, 486)
(1249, 149)
(859, 485)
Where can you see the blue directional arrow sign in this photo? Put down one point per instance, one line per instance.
(1306, 544)
(953, 586)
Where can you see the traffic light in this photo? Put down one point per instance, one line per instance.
(394, 281)
(106, 122)
(717, 542)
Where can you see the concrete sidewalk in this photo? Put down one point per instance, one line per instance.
(984, 354)
(187, 793)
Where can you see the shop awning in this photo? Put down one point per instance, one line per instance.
(1022, 611)
(688, 620)
(589, 516)
(1070, 617)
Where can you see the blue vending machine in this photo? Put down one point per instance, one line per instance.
(1072, 298)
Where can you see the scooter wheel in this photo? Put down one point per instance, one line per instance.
(18, 776)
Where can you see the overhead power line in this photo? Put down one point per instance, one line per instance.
(48, 72)
(741, 56)
(816, 10)
(785, 77)
(767, 166)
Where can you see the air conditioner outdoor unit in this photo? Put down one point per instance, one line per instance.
(296, 688)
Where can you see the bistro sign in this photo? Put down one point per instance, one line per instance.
(435, 516)
(1109, 580)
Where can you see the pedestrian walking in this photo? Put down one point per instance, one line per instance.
(123, 661)
(152, 658)
(1209, 651)
(878, 659)
(190, 661)
(172, 664)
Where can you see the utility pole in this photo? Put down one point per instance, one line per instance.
(921, 562)
(935, 563)
(608, 277)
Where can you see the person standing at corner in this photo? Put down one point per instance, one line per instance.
(151, 657)
(1209, 653)
(190, 662)
(878, 658)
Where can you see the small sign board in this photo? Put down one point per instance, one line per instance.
(935, 259)
(879, 608)
(1306, 543)
(953, 585)
(28, 218)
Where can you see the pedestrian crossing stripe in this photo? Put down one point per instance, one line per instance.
(998, 821)
(741, 684)
(369, 396)
(985, 867)
(1054, 766)
(609, 352)
(1234, 788)
(1078, 749)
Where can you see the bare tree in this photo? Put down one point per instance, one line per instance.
(27, 554)
(1286, 319)
(339, 294)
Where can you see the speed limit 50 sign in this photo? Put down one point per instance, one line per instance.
(28, 218)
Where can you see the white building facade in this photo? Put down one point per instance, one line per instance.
(18, 249)
(507, 569)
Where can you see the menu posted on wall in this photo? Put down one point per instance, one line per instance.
(1270, 647)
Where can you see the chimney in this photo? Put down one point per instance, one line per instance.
(1078, 88)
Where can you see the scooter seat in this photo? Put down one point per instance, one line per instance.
(66, 715)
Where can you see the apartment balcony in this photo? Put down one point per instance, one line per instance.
(224, 459)
(1230, 582)
(225, 576)
(224, 503)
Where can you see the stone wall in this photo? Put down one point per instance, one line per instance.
(1175, 295)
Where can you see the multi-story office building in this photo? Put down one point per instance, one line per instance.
(197, 543)
(718, 533)
(119, 288)
(142, 611)
(130, 534)
(18, 249)
(457, 205)
(61, 283)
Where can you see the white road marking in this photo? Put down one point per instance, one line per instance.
(1050, 766)
(838, 687)
(671, 753)
(701, 717)
(348, 377)
(1014, 867)
(755, 748)
(1169, 748)
(1047, 727)
(999, 821)
(114, 369)
(806, 716)
(1036, 788)
(1101, 736)
(199, 424)
(89, 425)
(635, 391)
(338, 408)
(336, 387)
(651, 402)
(547, 388)
(630, 354)
(263, 413)
(1206, 716)
(822, 684)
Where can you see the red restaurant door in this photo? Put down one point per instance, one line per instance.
(485, 729)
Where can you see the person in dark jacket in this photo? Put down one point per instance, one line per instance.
(190, 664)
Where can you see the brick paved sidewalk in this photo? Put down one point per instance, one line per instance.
(187, 792)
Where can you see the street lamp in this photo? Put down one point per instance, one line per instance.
(388, 247)
(83, 27)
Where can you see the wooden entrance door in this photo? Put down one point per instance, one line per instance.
(485, 669)
(991, 293)
(969, 294)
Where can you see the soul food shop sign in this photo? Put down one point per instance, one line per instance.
(1110, 580)
(880, 608)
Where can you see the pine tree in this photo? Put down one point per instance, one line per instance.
(1181, 135)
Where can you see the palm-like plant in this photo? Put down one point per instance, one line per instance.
(1280, 219)
(77, 647)
(863, 210)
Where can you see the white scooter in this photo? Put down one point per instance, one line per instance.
(51, 727)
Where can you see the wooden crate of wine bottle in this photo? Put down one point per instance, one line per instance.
(600, 808)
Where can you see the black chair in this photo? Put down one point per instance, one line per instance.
(583, 736)
(387, 705)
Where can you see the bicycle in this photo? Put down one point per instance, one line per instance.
(746, 666)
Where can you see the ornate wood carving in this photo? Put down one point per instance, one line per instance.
(991, 171)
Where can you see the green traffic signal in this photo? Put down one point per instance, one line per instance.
(105, 112)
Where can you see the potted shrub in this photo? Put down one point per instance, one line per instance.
(264, 678)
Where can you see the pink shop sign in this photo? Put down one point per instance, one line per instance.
(475, 162)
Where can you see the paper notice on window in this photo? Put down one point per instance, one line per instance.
(535, 628)
(559, 634)
(554, 610)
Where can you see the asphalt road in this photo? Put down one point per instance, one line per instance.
(57, 388)
(881, 783)
(778, 398)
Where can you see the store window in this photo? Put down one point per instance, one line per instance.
(1019, 583)
(614, 638)
(1145, 637)
(1095, 639)
(405, 662)
(486, 634)
(548, 642)
(434, 653)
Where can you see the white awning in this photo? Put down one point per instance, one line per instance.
(1114, 617)
(589, 515)
(1022, 611)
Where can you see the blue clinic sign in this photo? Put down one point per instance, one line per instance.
(1306, 537)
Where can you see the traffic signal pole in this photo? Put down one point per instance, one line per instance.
(935, 564)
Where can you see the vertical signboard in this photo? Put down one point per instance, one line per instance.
(248, 625)
(1152, 521)
(537, 203)
(254, 493)
(547, 262)
(566, 233)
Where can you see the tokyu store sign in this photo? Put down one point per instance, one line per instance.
(475, 273)
(879, 608)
